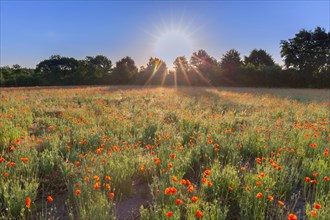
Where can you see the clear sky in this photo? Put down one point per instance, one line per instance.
(32, 31)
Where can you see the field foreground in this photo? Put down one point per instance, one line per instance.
(158, 153)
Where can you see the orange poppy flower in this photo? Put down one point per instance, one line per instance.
(183, 182)
(24, 159)
(207, 172)
(199, 214)
(270, 198)
(28, 202)
(280, 203)
(170, 191)
(259, 195)
(317, 206)
(111, 195)
(314, 213)
(78, 192)
(173, 190)
(178, 201)
(169, 214)
(50, 199)
(97, 185)
(292, 217)
(194, 199)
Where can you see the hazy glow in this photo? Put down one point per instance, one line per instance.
(172, 44)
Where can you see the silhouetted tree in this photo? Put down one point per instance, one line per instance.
(7, 77)
(259, 58)
(154, 73)
(17, 76)
(96, 70)
(204, 66)
(231, 60)
(230, 64)
(183, 72)
(59, 70)
(124, 71)
(309, 53)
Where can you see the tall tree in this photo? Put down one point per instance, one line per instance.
(97, 69)
(124, 71)
(154, 73)
(309, 53)
(203, 65)
(182, 71)
(230, 64)
(259, 58)
(231, 60)
(59, 70)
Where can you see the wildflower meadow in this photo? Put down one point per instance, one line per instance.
(164, 153)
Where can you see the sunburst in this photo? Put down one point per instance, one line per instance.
(172, 38)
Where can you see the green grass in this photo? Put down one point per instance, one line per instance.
(84, 143)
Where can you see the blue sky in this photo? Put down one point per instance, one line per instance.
(32, 31)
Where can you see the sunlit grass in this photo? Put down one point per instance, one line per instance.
(216, 153)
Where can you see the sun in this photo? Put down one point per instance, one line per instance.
(173, 43)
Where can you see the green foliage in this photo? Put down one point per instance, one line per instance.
(124, 71)
(259, 58)
(153, 74)
(184, 152)
(309, 52)
(306, 58)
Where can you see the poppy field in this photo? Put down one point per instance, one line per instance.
(186, 153)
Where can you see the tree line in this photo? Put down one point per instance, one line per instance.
(306, 64)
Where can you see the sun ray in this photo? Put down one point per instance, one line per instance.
(154, 71)
(196, 70)
(165, 73)
(185, 75)
(174, 35)
(175, 80)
